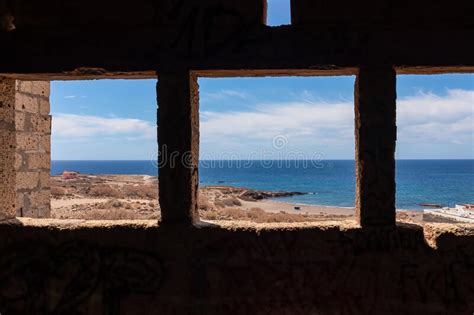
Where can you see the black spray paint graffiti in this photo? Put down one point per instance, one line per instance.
(347, 275)
(198, 31)
(36, 278)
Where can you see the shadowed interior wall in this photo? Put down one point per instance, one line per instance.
(140, 268)
(378, 267)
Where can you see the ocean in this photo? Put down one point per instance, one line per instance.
(331, 183)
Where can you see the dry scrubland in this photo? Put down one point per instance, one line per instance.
(135, 197)
(105, 198)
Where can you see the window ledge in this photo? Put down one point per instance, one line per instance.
(436, 235)
(80, 224)
(247, 225)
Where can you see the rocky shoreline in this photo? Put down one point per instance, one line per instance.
(254, 194)
(257, 195)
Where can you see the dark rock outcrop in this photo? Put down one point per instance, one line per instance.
(253, 195)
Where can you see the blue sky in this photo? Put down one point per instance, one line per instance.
(270, 118)
(279, 12)
(244, 118)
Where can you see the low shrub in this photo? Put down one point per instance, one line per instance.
(256, 213)
(204, 203)
(59, 191)
(219, 204)
(140, 192)
(231, 202)
(105, 191)
(105, 213)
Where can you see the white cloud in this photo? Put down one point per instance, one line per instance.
(434, 118)
(70, 97)
(292, 119)
(423, 118)
(68, 126)
(223, 94)
(308, 127)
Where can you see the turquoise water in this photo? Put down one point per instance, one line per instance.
(444, 182)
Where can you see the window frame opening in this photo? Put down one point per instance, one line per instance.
(433, 199)
(295, 215)
(33, 167)
(272, 15)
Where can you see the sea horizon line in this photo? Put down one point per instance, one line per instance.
(146, 160)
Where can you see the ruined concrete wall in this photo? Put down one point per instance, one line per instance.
(399, 14)
(48, 267)
(25, 149)
(140, 268)
(33, 149)
(119, 36)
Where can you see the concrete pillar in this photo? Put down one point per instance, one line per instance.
(178, 139)
(7, 149)
(376, 133)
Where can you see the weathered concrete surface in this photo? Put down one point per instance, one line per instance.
(399, 14)
(33, 149)
(140, 268)
(90, 14)
(25, 148)
(7, 149)
(49, 267)
(222, 35)
(376, 136)
(178, 137)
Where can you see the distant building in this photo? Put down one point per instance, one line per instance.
(69, 175)
(466, 207)
(461, 213)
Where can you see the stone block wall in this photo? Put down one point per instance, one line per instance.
(25, 149)
(33, 149)
(7, 149)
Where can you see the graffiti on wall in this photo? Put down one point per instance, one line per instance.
(36, 278)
